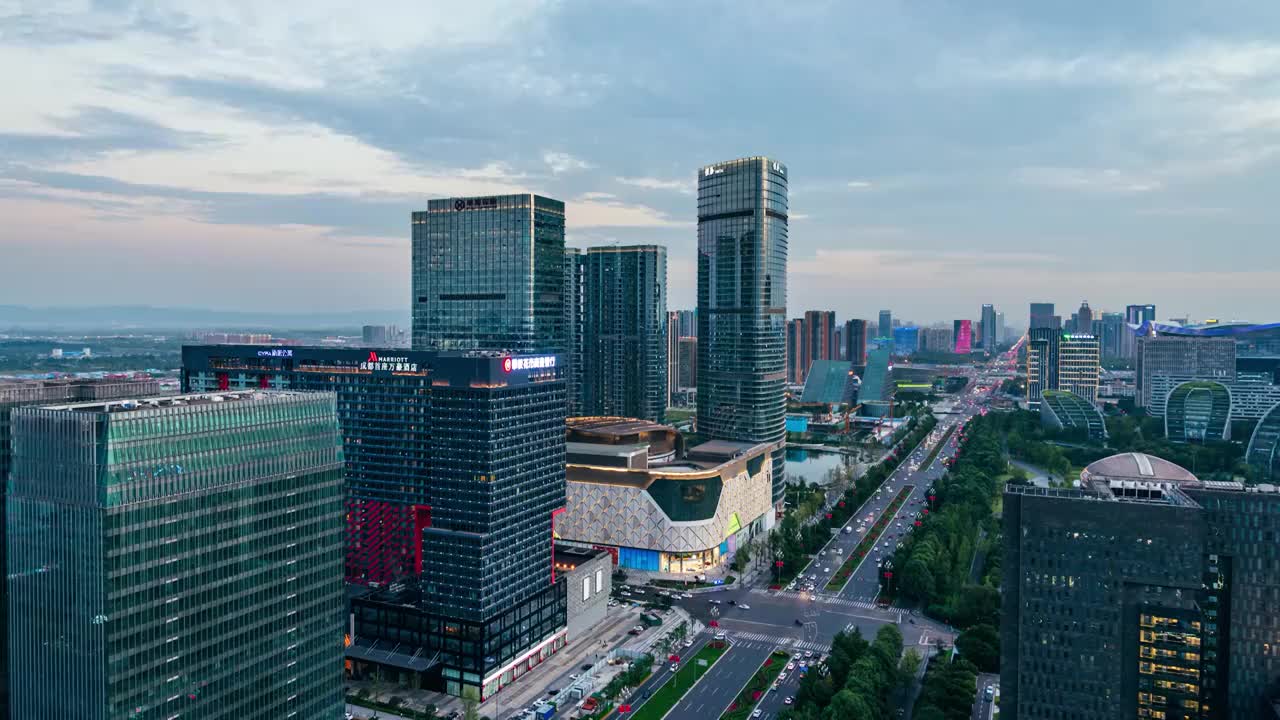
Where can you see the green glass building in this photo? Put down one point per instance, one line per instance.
(177, 557)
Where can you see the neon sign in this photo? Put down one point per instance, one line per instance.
(277, 352)
(528, 363)
(388, 363)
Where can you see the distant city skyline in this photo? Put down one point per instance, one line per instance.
(268, 156)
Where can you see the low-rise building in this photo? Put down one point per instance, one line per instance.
(589, 579)
(637, 492)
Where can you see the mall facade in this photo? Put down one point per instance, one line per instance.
(636, 491)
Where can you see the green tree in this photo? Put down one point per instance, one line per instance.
(981, 645)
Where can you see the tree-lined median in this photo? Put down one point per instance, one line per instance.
(868, 542)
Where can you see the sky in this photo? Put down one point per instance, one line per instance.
(942, 154)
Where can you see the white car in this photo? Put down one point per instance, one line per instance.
(791, 666)
(744, 606)
(758, 712)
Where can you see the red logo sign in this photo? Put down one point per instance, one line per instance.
(506, 365)
(373, 356)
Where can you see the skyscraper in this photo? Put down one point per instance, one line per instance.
(1042, 363)
(820, 340)
(687, 363)
(573, 319)
(489, 273)
(673, 355)
(989, 329)
(742, 302)
(906, 340)
(1139, 314)
(1042, 316)
(1143, 593)
(962, 331)
(624, 331)
(1187, 357)
(1078, 356)
(886, 324)
(1084, 319)
(855, 341)
(1002, 329)
(796, 338)
(1111, 334)
(454, 474)
(177, 557)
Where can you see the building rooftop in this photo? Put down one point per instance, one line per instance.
(194, 399)
(616, 427)
(724, 449)
(1138, 467)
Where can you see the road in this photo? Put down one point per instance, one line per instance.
(708, 699)
(981, 705)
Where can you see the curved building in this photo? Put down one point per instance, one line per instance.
(1061, 409)
(1262, 453)
(1198, 410)
(634, 490)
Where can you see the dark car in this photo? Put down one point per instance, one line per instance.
(799, 622)
(586, 667)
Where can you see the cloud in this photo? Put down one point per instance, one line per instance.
(591, 211)
(1106, 180)
(561, 162)
(858, 184)
(684, 187)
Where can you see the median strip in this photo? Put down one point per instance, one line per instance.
(669, 694)
(868, 542)
(750, 694)
(938, 448)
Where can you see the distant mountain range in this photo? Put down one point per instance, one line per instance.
(144, 317)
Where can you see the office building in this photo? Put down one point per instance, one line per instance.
(990, 330)
(962, 331)
(855, 341)
(19, 393)
(1042, 317)
(1111, 330)
(796, 337)
(906, 340)
(624, 331)
(634, 490)
(1043, 345)
(1143, 593)
(588, 577)
(830, 382)
(177, 557)
(1186, 356)
(937, 339)
(1263, 451)
(1139, 314)
(1064, 410)
(673, 355)
(837, 349)
(687, 363)
(688, 321)
(877, 388)
(1197, 411)
(1251, 395)
(488, 274)
(886, 324)
(1084, 320)
(1078, 366)
(436, 446)
(742, 303)
(820, 337)
(374, 336)
(1002, 330)
(574, 269)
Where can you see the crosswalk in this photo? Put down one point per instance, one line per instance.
(775, 641)
(823, 598)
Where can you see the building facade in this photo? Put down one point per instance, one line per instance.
(436, 446)
(962, 331)
(625, 331)
(1140, 594)
(1197, 411)
(855, 341)
(1139, 314)
(796, 335)
(1264, 443)
(635, 491)
(1078, 365)
(742, 303)
(820, 337)
(906, 340)
(183, 554)
(1042, 363)
(1203, 358)
(1042, 317)
(885, 329)
(574, 269)
(687, 363)
(488, 274)
(937, 339)
(1062, 410)
(588, 582)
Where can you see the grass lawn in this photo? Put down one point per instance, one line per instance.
(666, 697)
(756, 687)
(841, 578)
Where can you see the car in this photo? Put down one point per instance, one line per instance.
(587, 666)
(632, 631)
(553, 692)
(990, 692)
(350, 716)
(733, 602)
(638, 628)
(757, 713)
(675, 667)
(788, 700)
(687, 596)
(714, 602)
(791, 666)
(573, 676)
(799, 621)
(808, 654)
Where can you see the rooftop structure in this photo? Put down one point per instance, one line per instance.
(1062, 409)
(830, 382)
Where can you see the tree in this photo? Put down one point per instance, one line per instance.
(469, 711)
(909, 665)
(980, 644)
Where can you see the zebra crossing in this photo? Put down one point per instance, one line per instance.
(775, 641)
(824, 598)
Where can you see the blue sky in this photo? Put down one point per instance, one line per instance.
(942, 154)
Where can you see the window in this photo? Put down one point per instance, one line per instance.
(599, 580)
(586, 588)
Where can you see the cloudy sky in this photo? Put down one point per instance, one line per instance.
(942, 154)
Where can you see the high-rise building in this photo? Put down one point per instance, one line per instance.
(1002, 330)
(855, 341)
(1189, 357)
(688, 323)
(1143, 593)
(673, 355)
(742, 302)
(488, 274)
(687, 370)
(837, 349)
(1084, 319)
(454, 473)
(1042, 363)
(20, 393)
(962, 331)
(574, 268)
(624, 331)
(177, 557)
(1042, 316)
(1111, 331)
(886, 324)
(906, 340)
(796, 338)
(1078, 365)
(989, 329)
(1139, 314)
(820, 339)
(937, 339)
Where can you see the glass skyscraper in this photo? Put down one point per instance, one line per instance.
(742, 304)
(488, 274)
(625, 331)
(573, 269)
(177, 557)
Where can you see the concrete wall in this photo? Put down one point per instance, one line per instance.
(585, 613)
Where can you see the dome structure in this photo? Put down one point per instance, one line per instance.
(1136, 467)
